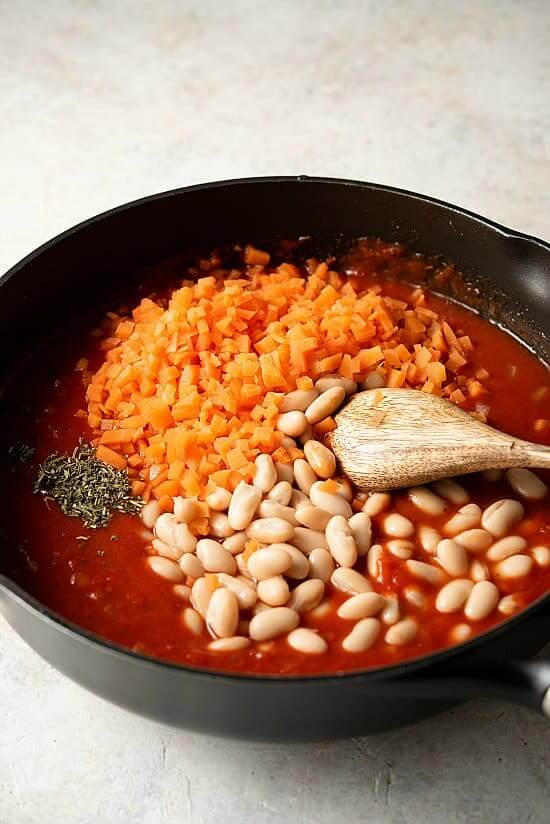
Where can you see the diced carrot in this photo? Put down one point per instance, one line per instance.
(108, 456)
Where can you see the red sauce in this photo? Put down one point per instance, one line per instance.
(99, 579)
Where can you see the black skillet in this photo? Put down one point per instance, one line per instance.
(512, 272)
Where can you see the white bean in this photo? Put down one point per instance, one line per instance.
(307, 641)
(397, 526)
(292, 424)
(214, 557)
(185, 509)
(274, 591)
(401, 633)
(376, 503)
(281, 492)
(373, 381)
(265, 477)
(193, 621)
(502, 549)
(467, 517)
(425, 572)
(149, 513)
(452, 557)
(270, 530)
(510, 604)
(321, 459)
(322, 611)
(182, 591)
(541, 555)
(391, 612)
(273, 622)
(244, 502)
(527, 484)
(242, 566)
(341, 542)
(330, 381)
(307, 435)
(479, 571)
(165, 568)
(242, 589)
(298, 400)
(474, 540)
(400, 548)
(492, 475)
(452, 491)
(222, 614)
(308, 539)
(429, 538)
(501, 516)
(219, 499)
(298, 498)
(312, 517)
(299, 567)
(272, 509)
(201, 592)
(362, 636)
(364, 605)
(453, 595)
(482, 600)
(177, 535)
(515, 566)
(374, 557)
(307, 595)
(425, 500)
(232, 644)
(329, 501)
(267, 562)
(166, 550)
(327, 403)
(415, 597)
(235, 543)
(219, 525)
(191, 566)
(304, 475)
(284, 472)
(321, 564)
(460, 633)
(361, 527)
(343, 488)
(349, 580)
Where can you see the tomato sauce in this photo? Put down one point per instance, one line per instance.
(99, 578)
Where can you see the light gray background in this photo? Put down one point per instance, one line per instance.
(101, 102)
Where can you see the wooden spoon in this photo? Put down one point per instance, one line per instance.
(391, 438)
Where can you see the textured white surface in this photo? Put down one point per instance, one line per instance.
(101, 102)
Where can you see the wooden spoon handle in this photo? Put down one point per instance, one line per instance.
(532, 455)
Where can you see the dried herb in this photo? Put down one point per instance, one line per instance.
(86, 488)
(21, 452)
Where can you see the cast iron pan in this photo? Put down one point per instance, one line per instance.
(512, 275)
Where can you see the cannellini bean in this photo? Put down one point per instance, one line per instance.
(149, 513)
(219, 499)
(376, 503)
(307, 435)
(171, 532)
(267, 562)
(322, 611)
(363, 605)
(299, 400)
(361, 527)
(329, 501)
(166, 550)
(327, 403)
(452, 557)
(185, 509)
(272, 509)
(349, 580)
(273, 622)
(191, 566)
(307, 641)
(474, 540)
(516, 566)
(193, 621)
(541, 555)
(235, 543)
(265, 477)
(415, 596)
(299, 568)
(214, 557)
(341, 542)
(373, 381)
(219, 525)
(242, 589)
(400, 548)
(527, 484)
(501, 516)
(453, 595)
(307, 595)
(242, 566)
(244, 502)
(258, 607)
(298, 498)
(482, 600)
(425, 500)
(285, 472)
(232, 644)
(270, 530)
(292, 424)
(274, 591)
(222, 614)
(467, 517)
(479, 571)
(492, 475)
(397, 526)
(182, 591)
(312, 517)
(362, 636)
(425, 572)
(374, 556)
(281, 493)
(510, 604)
(165, 568)
(391, 612)
(330, 381)
(453, 492)
(304, 475)
(343, 488)
(321, 459)
(460, 633)
(502, 549)
(429, 538)
(308, 539)
(401, 633)
(201, 592)
(321, 564)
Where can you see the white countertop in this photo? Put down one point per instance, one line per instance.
(102, 102)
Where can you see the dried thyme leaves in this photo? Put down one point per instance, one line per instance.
(86, 488)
